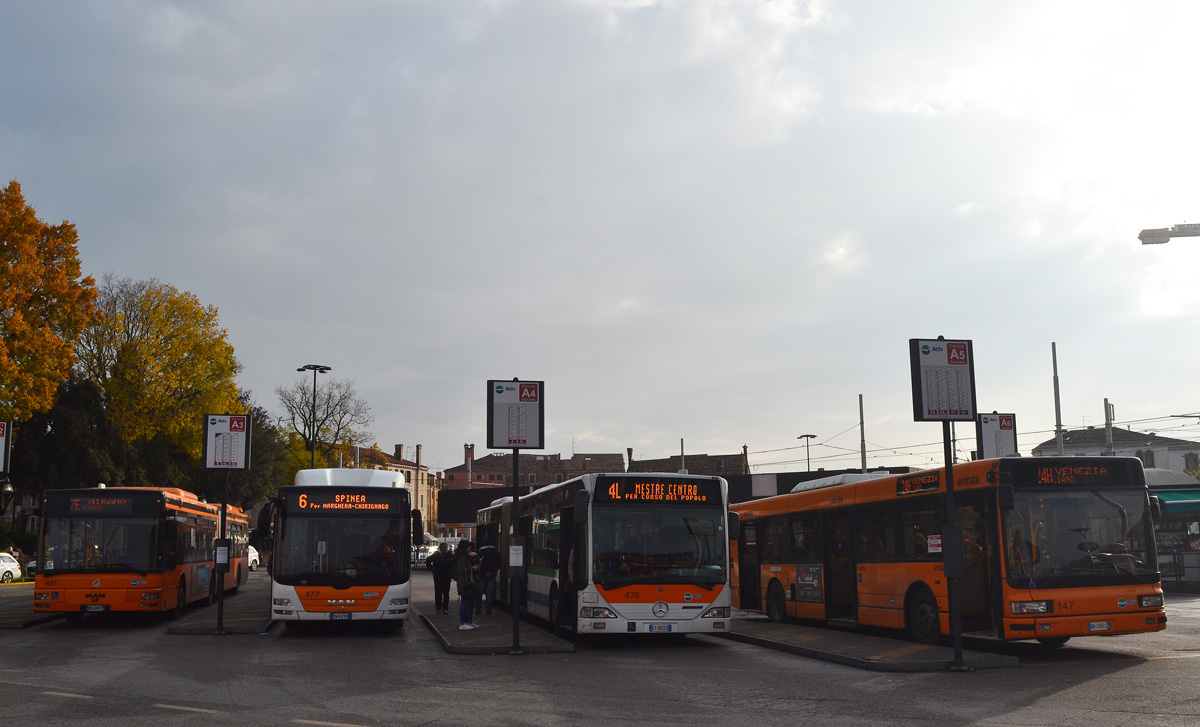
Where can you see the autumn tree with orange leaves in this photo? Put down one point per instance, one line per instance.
(45, 305)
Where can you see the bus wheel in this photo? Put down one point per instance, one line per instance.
(1053, 642)
(924, 624)
(776, 604)
(180, 600)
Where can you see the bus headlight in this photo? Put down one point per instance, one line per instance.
(596, 612)
(1154, 600)
(719, 612)
(149, 596)
(281, 601)
(398, 602)
(1026, 607)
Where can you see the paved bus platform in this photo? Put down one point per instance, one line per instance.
(248, 612)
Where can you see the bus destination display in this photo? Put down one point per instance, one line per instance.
(103, 505)
(635, 489)
(343, 501)
(1073, 475)
(923, 482)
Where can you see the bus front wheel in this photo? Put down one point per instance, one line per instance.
(924, 623)
(776, 603)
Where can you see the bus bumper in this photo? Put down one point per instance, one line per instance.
(1109, 624)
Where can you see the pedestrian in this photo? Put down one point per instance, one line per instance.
(489, 568)
(442, 565)
(466, 572)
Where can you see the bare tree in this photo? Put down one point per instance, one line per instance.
(341, 417)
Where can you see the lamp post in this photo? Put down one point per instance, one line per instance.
(315, 368)
(807, 458)
(1161, 235)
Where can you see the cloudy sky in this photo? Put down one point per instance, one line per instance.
(715, 221)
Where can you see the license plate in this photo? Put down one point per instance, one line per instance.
(1099, 625)
(659, 627)
(339, 616)
(95, 608)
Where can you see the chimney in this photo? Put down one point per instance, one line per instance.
(468, 452)
(399, 451)
(418, 456)
(629, 454)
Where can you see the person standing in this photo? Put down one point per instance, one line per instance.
(442, 565)
(489, 568)
(466, 572)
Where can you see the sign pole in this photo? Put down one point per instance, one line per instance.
(952, 554)
(515, 583)
(222, 571)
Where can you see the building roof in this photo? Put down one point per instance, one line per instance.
(696, 464)
(1095, 437)
(535, 463)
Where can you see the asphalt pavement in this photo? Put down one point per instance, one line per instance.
(248, 612)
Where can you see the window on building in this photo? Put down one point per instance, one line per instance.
(558, 478)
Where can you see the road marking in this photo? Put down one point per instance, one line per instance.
(180, 708)
(325, 724)
(68, 694)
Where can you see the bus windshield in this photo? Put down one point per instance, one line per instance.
(98, 545)
(650, 542)
(1079, 537)
(340, 551)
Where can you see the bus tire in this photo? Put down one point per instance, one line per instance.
(180, 600)
(1054, 642)
(924, 623)
(776, 603)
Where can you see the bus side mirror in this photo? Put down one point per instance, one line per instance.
(1156, 508)
(1004, 493)
(734, 525)
(582, 498)
(266, 518)
(418, 528)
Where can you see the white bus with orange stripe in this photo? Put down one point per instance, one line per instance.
(618, 553)
(342, 545)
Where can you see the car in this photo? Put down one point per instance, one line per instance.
(252, 557)
(10, 569)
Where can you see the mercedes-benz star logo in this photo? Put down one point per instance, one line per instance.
(660, 609)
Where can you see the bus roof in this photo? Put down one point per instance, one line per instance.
(350, 478)
(840, 479)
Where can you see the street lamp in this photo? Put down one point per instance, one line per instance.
(1160, 235)
(807, 458)
(315, 368)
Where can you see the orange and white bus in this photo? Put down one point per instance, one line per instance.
(141, 549)
(619, 553)
(342, 547)
(1053, 548)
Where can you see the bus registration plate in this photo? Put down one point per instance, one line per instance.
(95, 608)
(659, 627)
(340, 616)
(1099, 626)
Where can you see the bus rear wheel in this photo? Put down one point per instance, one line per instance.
(924, 623)
(776, 603)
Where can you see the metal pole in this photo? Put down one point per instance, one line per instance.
(952, 546)
(515, 581)
(221, 573)
(1058, 431)
(862, 433)
(313, 439)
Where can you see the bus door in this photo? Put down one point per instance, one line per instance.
(978, 587)
(841, 587)
(749, 582)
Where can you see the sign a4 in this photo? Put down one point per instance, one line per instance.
(529, 392)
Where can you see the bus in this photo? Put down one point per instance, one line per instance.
(618, 553)
(143, 549)
(342, 544)
(1052, 548)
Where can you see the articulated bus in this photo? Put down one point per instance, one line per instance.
(1052, 548)
(141, 549)
(342, 547)
(623, 553)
